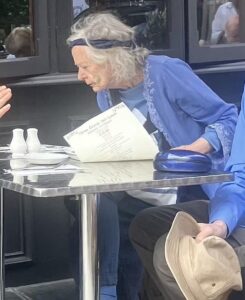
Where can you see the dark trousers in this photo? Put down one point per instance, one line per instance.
(150, 228)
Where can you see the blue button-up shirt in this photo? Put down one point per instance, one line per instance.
(228, 204)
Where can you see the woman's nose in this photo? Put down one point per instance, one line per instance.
(81, 75)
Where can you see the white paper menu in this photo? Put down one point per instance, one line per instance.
(114, 135)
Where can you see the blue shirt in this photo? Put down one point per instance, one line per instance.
(183, 108)
(228, 204)
(134, 98)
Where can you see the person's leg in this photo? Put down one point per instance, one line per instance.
(130, 269)
(148, 227)
(190, 193)
(237, 241)
(72, 207)
(171, 289)
(108, 243)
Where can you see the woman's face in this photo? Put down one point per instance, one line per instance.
(97, 76)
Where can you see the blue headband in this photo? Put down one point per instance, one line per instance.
(102, 44)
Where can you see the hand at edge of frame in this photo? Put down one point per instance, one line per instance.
(5, 96)
(217, 228)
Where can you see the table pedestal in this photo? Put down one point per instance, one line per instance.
(88, 261)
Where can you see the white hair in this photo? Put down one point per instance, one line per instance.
(125, 62)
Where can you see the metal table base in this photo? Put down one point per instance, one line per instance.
(88, 261)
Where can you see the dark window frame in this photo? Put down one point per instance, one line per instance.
(34, 65)
(64, 13)
(177, 34)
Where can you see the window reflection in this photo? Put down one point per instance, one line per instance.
(79, 6)
(150, 18)
(19, 43)
(16, 36)
(219, 22)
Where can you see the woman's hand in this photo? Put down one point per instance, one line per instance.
(5, 95)
(217, 228)
(200, 145)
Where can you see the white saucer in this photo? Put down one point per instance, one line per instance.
(45, 158)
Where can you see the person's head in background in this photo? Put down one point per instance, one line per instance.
(20, 42)
(232, 29)
(105, 52)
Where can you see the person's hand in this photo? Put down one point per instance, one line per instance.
(200, 145)
(217, 228)
(5, 95)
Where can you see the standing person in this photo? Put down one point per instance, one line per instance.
(5, 95)
(221, 217)
(173, 104)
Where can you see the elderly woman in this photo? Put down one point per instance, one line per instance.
(5, 95)
(170, 100)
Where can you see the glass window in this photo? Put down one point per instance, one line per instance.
(158, 23)
(23, 37)
(220, 22)
(217, 31)
(149, 18)
(16, 34)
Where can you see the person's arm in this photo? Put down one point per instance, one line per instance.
(192, 96)
(227, 208)
(5, 95)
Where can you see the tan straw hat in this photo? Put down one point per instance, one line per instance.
(206, 270)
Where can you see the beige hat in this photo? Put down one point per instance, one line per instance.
(207, 270)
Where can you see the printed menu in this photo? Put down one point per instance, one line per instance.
(113, 135)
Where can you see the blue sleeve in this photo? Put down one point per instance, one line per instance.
(196, 99)
(228, 203)
(211, 136)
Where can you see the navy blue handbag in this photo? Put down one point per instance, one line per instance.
(182, 161)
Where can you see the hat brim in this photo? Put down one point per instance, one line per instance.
(183, 225)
